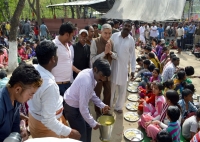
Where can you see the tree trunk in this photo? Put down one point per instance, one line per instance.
(78, 12)
(36, 9)
(13, 62)
(72, 9)
(38, 12)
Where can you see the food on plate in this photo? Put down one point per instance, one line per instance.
(131, 117)
(133, 97)
(130, 134)
(132, 106)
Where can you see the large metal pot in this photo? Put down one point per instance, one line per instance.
(107, 123)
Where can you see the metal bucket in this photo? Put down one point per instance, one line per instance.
(107, 123)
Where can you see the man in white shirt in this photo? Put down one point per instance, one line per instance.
(45, 108)
(169, 71)
(124, 46)
(179, 37)
(63, 71)
(153, 31)
(142, 30)
(78, 95)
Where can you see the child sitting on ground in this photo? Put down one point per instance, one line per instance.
(173, 127)
(179, 81)
(163, 136)
(147, 97)
(190, 126)
(187, 108)
(169, 85)
(155, 61)
(155, 75)
(196, 51)
(164, 55)
(159, 101)
(172, 44)
(140, 63)
(146, 64)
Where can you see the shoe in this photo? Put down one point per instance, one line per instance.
(119, 111)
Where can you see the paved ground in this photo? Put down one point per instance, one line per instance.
(121, 124)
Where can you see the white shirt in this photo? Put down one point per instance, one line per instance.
(81, 92)
(62, 72)
(190, 125)
(142, 29)
(125, 49)
(46, 101)
(180, 32)
(168, 72)
(142, 38)
(153, 31)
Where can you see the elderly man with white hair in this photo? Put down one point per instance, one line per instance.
(102, 47)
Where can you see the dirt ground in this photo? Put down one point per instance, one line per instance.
(121, 124)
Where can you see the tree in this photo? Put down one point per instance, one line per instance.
(13, 62)
(35, 6)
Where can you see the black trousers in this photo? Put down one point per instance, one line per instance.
(77, 122)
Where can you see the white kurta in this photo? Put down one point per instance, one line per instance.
(125, 49)
(142, 30)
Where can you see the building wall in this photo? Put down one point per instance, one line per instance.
(54, 24)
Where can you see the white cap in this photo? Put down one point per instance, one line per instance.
(83, 31)
(162, 41)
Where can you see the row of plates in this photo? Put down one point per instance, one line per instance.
(132, 134)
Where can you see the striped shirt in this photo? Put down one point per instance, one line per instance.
(174, 130)
(163, 113)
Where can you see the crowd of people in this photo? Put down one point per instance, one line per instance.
(67, 74)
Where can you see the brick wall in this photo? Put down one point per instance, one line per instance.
(54, 24)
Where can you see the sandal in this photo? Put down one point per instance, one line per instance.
(119, 111)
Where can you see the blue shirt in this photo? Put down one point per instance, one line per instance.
(3, 82)
(9, 115)
(191, 29)
(191, 107)
(186, 31)
(160, 30)
(43, 30)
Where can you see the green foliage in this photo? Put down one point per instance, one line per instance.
(7, 11)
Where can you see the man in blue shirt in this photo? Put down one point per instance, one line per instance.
(9, 115)
(160, 31)
(23, 83)
(191, 31)
(43, 30)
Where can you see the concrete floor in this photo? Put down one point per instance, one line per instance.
(121, 124)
